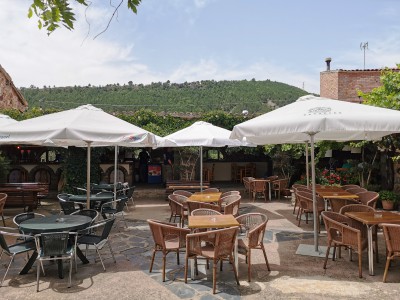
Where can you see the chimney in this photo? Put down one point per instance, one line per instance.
(328, 63)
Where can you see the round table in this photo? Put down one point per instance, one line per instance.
(55, 223)
(95, 200)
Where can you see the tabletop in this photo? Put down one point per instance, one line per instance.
(334, 192)
(205, 196)
(374, 218)
(93, 197)
(212, 221)
(55, 223)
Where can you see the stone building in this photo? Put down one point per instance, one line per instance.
(10, 96)
(344, 84)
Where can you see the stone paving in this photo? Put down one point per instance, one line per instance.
(292, 276)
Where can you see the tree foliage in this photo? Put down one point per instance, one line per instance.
(52, 14)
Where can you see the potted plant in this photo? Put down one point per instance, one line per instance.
(388, 199)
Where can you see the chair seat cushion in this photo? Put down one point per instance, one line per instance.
(23, 246)
(90, 239)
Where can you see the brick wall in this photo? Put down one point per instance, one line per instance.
(10, 97)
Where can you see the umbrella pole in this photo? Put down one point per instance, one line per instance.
(201, 168)
(88, 176)
(315, 213)
(115, 171)
(307, 166)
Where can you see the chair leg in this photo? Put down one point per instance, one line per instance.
(70, 272)
(359, 263)
(214, 275)
(177, 256)
(4, 222)
(8, 267)
(327, 253)
(101, 260)
(186, 267)
(232, 261)
(388, 258)
(37, 277)
(265, 256)
(111, 251)
(163, 266)
(249, 264)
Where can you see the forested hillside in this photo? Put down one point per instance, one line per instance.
(196, 97)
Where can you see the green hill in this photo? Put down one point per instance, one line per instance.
(196, 97)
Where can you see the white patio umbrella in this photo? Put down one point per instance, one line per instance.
(84, 126)
(6, 120)
(201, 134)
(312, 119)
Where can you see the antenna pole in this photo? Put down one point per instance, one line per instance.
(364, 46)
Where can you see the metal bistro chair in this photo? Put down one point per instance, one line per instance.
(26, 216)
(114, 208)
(54, 244)
(91, 213)
(88, 237)
(3, 198)
(27, 244)
(67, 206)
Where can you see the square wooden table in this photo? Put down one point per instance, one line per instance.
(371, 219)
(329, 192)
(213, 221)
(205, 197)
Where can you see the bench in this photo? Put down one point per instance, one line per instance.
(24, 195)
(191, 186)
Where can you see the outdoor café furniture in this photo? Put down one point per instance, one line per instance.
(368, 198)
(89, 237)
(247, 184)
(227, 199)
(54, 244)
(391, 233)
(114, 208)
(23, 195)
(228, 193)
(340, 233)
(350, 186)
(370, 220)
(254, 225)
(96, 200)
(362, 208)
(356, 190)
(68, 206)
(54, 223)
(327, 192)
(168, 237)
(183, 193)
(206, 196)
(211, 190)
(217, 245)
(3, 198)
(204, 212)
(91, 213)
(337, 203)
(213, 222)
(178, 207)
(278, 186)
(232, 207)
(23, 244)
(306, 206)
(193, 205)
(297, 188)
(259, 187)
(270, 180)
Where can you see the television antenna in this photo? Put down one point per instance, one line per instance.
(364, 46)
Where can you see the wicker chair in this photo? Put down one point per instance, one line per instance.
(368, 198)
(3, 199)
(216, 245)
(306, 206)
(229, 193)
(279, 185)
(178, 206)
(247, 185)
(192, 205)
(298, 188)
(259, 187)
(340, 233)
(355, 223)
(254, 224)
(183, 193)
(204, 212)
(227, 199)
(167, 238)
(392, 239)
(211, 190)
(356, 190)
(232, 207)
(114, 208)
(337, 203)
(350, 186)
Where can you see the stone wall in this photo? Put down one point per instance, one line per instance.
(10, 97)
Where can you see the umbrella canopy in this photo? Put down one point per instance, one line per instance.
(201, 134)
(6, 120)
(311, 119)
(84, 126)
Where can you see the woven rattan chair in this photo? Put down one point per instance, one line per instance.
(179, 208)
(227, 199)
(356, 190)
(216, 245)
(368, 198)
(89, 237)
(340, 233)
(183, 193)
(211, 190)
(167, 238)
(229, 193)
(204, 212)
(247, 185)
(298, 188)
(54, 244)
(259, 187)
(3, 199)
(355, 223)
(192, 205)
(392, 239)
(306, 206)
(23, 244)
(350, 186)
(337, 203)
(232, 207)
(279, 185)
(254, 224)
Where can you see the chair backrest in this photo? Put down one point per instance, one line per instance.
(63, 196)
(356, 208)
(162, 231)
(392, 237)
(338, 203)
(105, 193)
(178, 198)
(108, 224)
(211, 190)
(338, 228)
(356, 190)
(272, 178)
(91, 213)
(251, 220)
(368, 198)
(204, 212)
(68, 207)
(26, 216)
(3, 199)
(175, 206)
(3, 241)
(255, 235)
(280, 184)
(52, 243)
(258, 185)
(183, 193)
(227, 199)
(350, 186)
(192, 205)
(306, 201)
(232, 207)
(129, 192)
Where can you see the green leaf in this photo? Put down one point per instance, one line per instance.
(30, 13)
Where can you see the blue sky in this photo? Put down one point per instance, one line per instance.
(189, 40)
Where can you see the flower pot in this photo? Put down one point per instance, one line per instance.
(387, 205)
